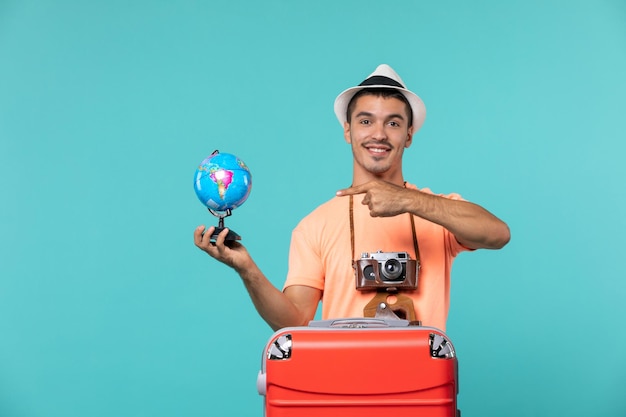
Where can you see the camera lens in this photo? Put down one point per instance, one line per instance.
(392, 269)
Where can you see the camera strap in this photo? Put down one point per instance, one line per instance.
(415, 245)
(401, 303)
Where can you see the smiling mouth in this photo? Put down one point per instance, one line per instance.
(377, 150)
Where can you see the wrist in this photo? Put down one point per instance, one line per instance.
(247, 271)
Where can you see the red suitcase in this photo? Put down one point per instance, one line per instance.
(359, 367)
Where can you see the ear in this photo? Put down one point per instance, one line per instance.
(346, 132)
(409, 139)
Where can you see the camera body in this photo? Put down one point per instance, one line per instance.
(390, 271)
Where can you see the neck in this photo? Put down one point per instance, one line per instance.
(359, 178)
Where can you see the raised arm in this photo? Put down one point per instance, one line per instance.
(472, 225)
(295, 307)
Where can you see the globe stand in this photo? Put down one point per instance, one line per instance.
(231, 236)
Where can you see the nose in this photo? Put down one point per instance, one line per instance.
(378, 132)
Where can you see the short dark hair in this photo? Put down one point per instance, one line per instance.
(379, 92)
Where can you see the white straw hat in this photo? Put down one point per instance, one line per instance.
(383, 77)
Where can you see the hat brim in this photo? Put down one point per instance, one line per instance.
(417, 105)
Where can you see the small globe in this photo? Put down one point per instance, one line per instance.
(222, 182)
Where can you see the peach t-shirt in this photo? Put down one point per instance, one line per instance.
(320, 257)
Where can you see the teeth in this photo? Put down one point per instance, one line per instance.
(377, 150)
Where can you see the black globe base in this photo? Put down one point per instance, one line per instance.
(230, 237)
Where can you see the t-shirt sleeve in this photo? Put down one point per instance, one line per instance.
(305, 263)
(454, 247)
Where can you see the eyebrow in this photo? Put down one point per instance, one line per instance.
(391, 116)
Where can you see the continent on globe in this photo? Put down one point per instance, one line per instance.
(222, 182)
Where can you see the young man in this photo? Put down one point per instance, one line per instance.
(379, 212)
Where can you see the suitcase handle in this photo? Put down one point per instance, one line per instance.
(359, 323)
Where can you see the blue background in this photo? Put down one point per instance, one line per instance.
(107, 108)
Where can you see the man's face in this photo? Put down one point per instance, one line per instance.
(378, 132)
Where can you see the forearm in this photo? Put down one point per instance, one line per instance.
(272, 304)
(472, 225)
(275, 308)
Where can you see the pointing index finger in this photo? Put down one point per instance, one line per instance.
(357, 189)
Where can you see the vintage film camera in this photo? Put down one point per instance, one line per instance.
(390, 271)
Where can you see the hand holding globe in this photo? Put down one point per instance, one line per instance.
(222, 183)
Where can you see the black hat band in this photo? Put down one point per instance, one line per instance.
(381, 80)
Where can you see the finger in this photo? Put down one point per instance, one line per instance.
(206, 237)
(221, 238)
(357, 189)
(197, 235)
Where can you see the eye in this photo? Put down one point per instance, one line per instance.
(394, 124)
(364, 122)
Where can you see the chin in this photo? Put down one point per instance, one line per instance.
(377, 169)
